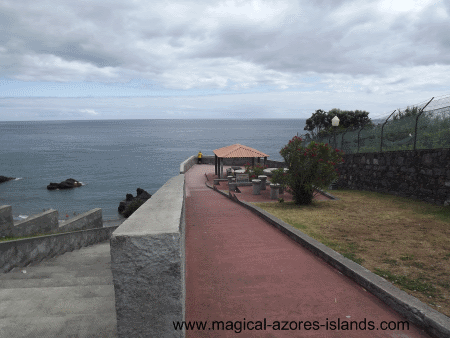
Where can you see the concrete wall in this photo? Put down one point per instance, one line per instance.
(47, 222)
(186, 165)
(420, 174)
(6, 221)
(148, 265)
(44, 222)
(21, 252)
(88, 220)
(148, 260)
(276, 164)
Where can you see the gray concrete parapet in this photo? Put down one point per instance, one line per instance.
(187, 164)
(256, 187)
(44, 222)
(21, 252)
(148, 265)
(88, 220)
(6, 221)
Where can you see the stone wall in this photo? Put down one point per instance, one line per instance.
(6, 221)
(186, 165)
(21, 252)
(276, 164)
(88, 220)
(148, 265)
(44, 222)
(420, 174)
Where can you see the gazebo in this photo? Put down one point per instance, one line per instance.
(235, 151)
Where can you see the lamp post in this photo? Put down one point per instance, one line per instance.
(335, 123)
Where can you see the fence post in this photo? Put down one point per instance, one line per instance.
(358, 135)
(382, 127)
(417, 119)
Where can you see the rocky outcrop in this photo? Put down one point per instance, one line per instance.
(142, 196)
(67, 184)
(4, 179)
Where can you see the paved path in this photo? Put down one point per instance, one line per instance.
(71, 295)
(240, 268)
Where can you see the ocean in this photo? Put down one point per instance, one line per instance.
(115, 157)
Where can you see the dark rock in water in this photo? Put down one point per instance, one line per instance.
(67, 184)
(141, 196)
(5, 179)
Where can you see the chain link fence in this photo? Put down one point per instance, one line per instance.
(423, 126)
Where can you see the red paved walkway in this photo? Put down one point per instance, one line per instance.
(240, 268)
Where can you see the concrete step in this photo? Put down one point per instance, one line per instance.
(71, 295)
(74, 326)
(59, 281)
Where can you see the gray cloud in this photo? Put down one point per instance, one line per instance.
(367, 48)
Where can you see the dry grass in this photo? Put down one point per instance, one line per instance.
(402, 240)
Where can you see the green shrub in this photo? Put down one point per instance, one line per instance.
(254, 172)
(279, 177)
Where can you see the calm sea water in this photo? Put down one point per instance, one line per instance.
(115, 157)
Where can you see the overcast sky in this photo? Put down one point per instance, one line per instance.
(122, 59)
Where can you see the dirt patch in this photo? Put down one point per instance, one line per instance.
(406, 242)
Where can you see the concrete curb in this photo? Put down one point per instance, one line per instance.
(431, 321)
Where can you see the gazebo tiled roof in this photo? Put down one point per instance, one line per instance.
(238, 151)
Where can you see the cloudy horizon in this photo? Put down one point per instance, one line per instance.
(219, 59)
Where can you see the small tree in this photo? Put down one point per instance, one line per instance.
(309, 168)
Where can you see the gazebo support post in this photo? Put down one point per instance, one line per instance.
(253, 161)
(215, 164)
(265, 160)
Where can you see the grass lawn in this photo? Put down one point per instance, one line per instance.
(405, 241)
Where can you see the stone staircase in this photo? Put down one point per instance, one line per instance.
(71, 295)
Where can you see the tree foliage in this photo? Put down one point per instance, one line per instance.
(309, 167)
(321, 121)
(414, 111)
